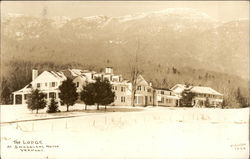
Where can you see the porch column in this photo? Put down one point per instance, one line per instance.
(58, 99)
(23, 99)
(14, 99)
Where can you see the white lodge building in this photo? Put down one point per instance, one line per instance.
(49, 81)
(144, 92)
(201, 95)
(166, 97)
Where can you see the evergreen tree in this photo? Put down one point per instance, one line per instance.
(186, 98)
(241, 99)
(103, 93)
(224, 103)
(53, 106)
(5, 95)
(36, 100)
(68, 93)
(107, 94)
(207, 103)
(87, 94)
(99, 93)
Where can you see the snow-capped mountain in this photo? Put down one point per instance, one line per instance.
(179, 36)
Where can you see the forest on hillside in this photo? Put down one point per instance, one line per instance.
(16, 74)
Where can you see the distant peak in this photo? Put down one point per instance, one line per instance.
(13, 15)
(187, 13)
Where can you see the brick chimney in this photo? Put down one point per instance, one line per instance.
(34, 74)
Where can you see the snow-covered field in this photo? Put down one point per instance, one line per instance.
(127, 132)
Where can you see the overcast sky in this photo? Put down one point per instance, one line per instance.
(225, 11)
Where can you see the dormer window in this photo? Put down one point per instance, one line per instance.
(38, 85)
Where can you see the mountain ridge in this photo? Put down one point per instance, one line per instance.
(197, 42)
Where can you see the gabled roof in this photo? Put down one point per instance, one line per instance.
(204, 90)
(164, 89)
(178, 88)
(25, 89)
(59, 75)
(75, 72)
(182, 86)
(83, 77)
(141, 80)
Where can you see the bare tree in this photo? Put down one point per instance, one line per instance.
(135, 69)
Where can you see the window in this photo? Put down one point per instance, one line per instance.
(122, 99)
(122, 89)
(53, 84)
(149, 90)
(114, 87)
(46, 84)
(139, 88)
(52, 95)
(77, 84)
(162, 92)
(38, 85)
(150, 98)
(168, 100)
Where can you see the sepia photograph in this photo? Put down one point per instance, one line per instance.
(124, 80)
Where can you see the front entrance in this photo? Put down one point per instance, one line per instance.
(177, 103)
(18, 99)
